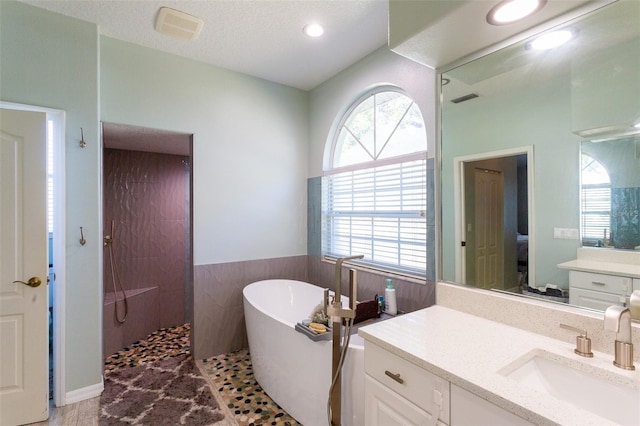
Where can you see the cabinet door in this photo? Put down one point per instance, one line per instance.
(384, 407)
(469, 409)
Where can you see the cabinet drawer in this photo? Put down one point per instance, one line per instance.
(601, 282)
(418, 385)
(594, 299)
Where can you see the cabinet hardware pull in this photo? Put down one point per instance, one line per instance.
(597, 283)
(395, 377)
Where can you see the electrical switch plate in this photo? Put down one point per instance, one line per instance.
(566, 234)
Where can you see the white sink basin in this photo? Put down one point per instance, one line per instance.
(611, 396)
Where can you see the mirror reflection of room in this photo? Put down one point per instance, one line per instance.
(577, 106)
(610, 192)
(496, 223)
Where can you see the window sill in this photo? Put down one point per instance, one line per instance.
(416, 279)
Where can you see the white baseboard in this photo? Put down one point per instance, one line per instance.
(84, 393)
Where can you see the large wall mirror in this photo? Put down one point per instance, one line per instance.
(540, 156)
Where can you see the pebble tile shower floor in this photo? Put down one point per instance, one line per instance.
(232, 374)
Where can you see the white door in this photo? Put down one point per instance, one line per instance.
(489, 201)
(24, 390)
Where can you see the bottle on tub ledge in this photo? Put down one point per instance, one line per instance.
(391, 306)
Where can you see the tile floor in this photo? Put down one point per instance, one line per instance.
(232, 375)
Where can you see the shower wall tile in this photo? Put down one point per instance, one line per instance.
(146, 195)
(142, 319)
(218, 325)
(172, 313)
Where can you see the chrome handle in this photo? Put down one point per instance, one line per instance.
(395, 377)
(576, 329)
(597, 283)
(33, 282)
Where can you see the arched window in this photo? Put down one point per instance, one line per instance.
(595, 201)
(374, 190)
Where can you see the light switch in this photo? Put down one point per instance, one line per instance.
(566, 234)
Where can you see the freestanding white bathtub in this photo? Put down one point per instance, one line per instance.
(294, 370)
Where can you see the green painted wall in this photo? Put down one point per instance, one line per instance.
(250, 146)
(50, 60)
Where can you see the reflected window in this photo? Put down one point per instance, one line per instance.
(374, 192)
(595, 202)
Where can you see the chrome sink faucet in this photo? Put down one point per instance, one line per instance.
(618, 319)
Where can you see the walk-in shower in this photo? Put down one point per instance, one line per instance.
(147, 260)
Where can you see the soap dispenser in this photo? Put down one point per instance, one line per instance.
(390, 298)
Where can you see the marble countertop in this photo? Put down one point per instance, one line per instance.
(471, 352)
(602, 267)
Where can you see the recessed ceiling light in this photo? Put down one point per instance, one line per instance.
(313, 30)
(551, 39)
(508, 11)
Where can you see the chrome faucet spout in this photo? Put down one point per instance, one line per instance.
(618, 319)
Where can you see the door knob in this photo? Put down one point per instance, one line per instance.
(33, 282)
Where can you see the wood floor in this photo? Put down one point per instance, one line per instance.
(83, 413)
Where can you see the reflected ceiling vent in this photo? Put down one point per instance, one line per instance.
(178, 24)
(464, 98)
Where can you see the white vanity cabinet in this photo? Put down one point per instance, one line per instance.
(598, 291)
(602, 277)
(398, 392)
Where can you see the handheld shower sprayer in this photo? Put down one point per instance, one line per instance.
(115, 278)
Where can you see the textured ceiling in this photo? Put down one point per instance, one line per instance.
(255, 37)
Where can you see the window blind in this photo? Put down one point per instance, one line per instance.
(378, 212)
(596, 211)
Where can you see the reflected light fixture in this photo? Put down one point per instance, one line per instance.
(313, 30)
(508, 11)
(551, 39)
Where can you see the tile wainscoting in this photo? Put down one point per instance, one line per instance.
(219, 325)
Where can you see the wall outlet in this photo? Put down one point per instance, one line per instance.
(566, 234)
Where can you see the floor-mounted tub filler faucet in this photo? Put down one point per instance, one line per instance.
(337, 314)
(618, 319)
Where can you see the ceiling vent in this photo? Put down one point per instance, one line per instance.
(178, 24)
(464, 98)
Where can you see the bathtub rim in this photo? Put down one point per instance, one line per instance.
(355, 342)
